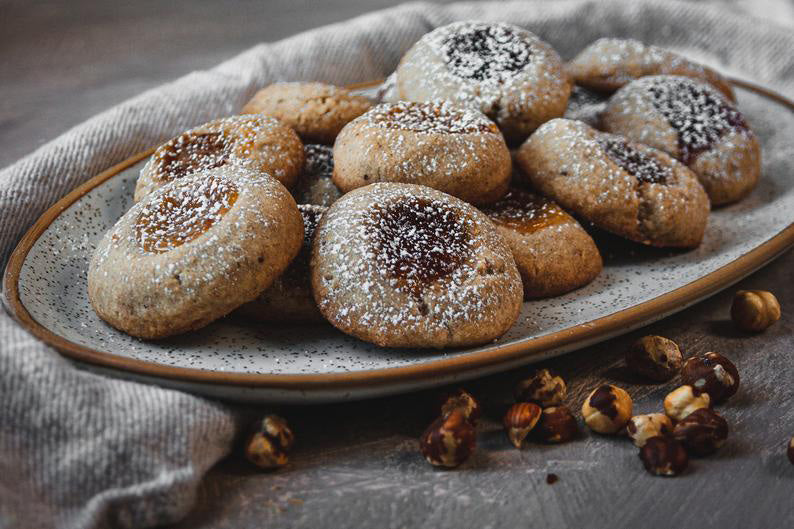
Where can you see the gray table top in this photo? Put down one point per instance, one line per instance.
(357, 465)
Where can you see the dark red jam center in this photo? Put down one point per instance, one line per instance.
(420, 241)
(484, 51)
(697, 112)
(643, 167)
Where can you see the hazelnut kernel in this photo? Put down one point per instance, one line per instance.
(640, 428)
(754, 310)
(519, 421)
(461, 399)
(269, 443)
(556, 425)
(711, 373)
(684, 400)
(543, 388)
(790, 451)
(662, 455)
(448, 441)
(607, 409)
(654, 357)
(702, 432)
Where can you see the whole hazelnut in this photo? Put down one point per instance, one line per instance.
(519, 421)
(607, 409)
(684, 400)
(269, 443)
(543, 388)
(712, 373)
(461, 399)
(662, 455)
(790, 451)
(654, 357)
(702, 432)
(556, 425)
(640, 428)
(448, 441)
(754, 310)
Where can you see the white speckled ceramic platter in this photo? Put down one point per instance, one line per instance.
(45, 288)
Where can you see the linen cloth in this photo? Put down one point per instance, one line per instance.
(81, 450)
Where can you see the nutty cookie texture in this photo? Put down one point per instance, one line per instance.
(505, 71)
(192, 251)
(289, 298)
(257, 142)
(624, 187)
(694, 123)
(403, 265)
(608, 64)
(553, 253)
(316, 111)
(453, 149)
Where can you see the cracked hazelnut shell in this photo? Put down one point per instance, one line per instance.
(543, 388)
(754, 310)
(713, 374)
(556, 425)
(640, 428)
(702, 432)
(662, 455)
(519, 420)
(448, 441)
(607, 409)
(269, 443)
(654, 357)
(463, 400)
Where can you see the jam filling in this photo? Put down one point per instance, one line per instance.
(696, 112)
(525, 212)
(190, 153)
(645, 168)
(419, 241)
(183, 214)
(434, 117)
(484, 51)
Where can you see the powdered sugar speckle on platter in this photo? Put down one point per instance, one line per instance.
(53, 289)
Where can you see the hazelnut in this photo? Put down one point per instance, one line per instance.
(790, 451)
(269, 443)
(654, 357)
(607, 409)
(556, 425)
(713, 374)
(702, 432)
(754, 310)
(461, 399)
(519, 420)
(448, 441)
(543, 388)
(662, 455)
(642, 427)
(684, 400)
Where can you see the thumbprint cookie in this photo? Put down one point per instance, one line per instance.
(453, 149)
(506, 72)
(289, 298)
(316, 111)
(695, 124)
(627, 188)
(403, 265)
(607, 64)
(193, 250)
(553, 253)
(315, 185)
(258, 142)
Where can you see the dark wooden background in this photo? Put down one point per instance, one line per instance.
(357, 465)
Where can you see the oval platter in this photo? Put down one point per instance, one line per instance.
(45, 290)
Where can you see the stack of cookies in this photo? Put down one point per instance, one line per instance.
(425, 219)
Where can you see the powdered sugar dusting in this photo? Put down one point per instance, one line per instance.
(644, 167)
(485, 51)
(438, 117)
(525, 211)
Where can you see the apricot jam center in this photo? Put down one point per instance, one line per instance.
(183, 214)
(525, 212)
(420, 241)
(192, 152)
